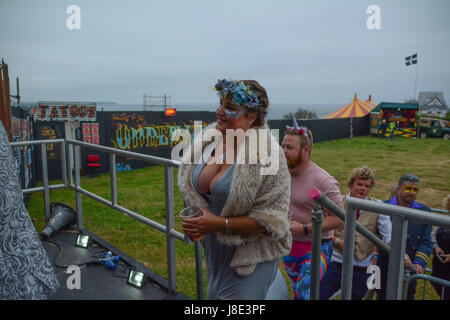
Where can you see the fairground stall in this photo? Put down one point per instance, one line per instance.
(404, 116)
(63, 120)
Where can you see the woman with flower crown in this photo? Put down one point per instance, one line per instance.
(244, 224)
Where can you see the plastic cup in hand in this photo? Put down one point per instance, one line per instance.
(191, 212)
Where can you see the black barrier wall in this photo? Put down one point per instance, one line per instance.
(327, 129)
(149, 133)
(47, 131)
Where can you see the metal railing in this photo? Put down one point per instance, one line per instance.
(425, 277)
(46, 187)
(400, 216)
(439, 210)
(74, 183)
(408, 277)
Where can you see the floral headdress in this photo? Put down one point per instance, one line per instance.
(239, 92)
(302, 130)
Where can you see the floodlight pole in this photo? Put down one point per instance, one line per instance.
(415, 83)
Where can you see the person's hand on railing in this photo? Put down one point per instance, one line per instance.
(407, 261)
(438, 250)
(446, 258)
(419, 268)
(339, 243)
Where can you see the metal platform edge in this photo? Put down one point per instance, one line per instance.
(154, 277)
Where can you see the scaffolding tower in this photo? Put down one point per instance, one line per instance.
(156, 103)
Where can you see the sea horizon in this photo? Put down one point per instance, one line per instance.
(275, 110)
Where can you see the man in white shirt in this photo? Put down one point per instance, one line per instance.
(360, 183)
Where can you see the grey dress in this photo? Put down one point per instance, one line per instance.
(223, 281)
(25, 270)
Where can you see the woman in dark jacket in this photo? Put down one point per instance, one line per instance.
(441, 248)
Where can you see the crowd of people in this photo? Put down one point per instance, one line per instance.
(251, 222)
(387, 127)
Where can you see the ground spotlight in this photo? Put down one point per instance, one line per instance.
(136, 279)
(82, 241)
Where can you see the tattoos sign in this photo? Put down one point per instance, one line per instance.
(65, 111)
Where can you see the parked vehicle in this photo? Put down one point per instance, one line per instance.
(434, 127)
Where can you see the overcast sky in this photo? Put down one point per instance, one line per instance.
(300, 51)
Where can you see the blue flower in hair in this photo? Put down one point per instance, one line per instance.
(239, 92)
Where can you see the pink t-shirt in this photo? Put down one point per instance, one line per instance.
(302, 205)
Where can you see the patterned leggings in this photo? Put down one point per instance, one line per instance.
(298, 269)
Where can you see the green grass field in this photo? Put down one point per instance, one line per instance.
(143, 191)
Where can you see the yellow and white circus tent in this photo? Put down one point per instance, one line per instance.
(355, 109)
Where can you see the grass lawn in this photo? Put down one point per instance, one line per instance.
(143, 191)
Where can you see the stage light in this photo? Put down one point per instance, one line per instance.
(136, 279)
(170, 112)
(82, 241)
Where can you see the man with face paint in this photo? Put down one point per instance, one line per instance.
(418, 240)
(305, 175)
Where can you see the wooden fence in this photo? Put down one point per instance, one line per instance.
(5, 105)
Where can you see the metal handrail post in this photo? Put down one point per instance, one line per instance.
(424, 289)
(319, 197)
(406, 279)
(112, 172)
(78, 198)
(45, 180)
(63, 163)
(316, 219)
(396, 258)
(70, 171)
(349, 251)
(170, 224)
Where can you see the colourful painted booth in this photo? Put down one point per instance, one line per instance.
(403, 114)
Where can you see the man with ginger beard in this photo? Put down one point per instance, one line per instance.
(305, 175)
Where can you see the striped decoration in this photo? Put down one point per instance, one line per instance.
(355, 109)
